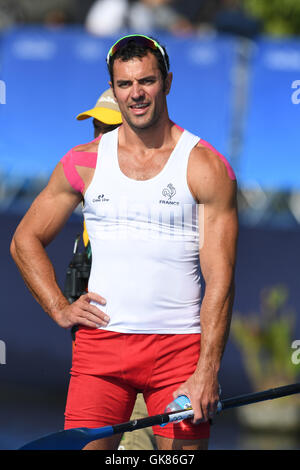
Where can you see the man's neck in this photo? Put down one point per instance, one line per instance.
(156, 136)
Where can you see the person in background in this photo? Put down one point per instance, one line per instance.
(106, 114)
(106, 17)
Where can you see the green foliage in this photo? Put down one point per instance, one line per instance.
(280, 17)
(265, 340)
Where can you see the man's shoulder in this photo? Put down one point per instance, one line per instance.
(208, 160)
(209, 173)
(89, 147)
(77, 161)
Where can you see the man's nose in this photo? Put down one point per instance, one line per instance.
(137, 92)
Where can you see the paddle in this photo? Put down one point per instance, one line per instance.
(77, 438)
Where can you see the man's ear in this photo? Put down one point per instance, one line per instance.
(168, 83)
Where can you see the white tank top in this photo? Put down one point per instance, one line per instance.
(145, 243)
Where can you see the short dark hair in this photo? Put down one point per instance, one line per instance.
(133, 49)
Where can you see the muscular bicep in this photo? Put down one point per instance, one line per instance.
(50, 210)
(215, 192)
(219, 231)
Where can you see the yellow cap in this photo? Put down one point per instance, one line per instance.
(106, 110)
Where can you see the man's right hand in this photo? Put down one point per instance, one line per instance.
(82, 312)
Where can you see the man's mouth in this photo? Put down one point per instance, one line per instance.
(139, 108)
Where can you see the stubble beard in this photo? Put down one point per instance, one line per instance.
(149, 123)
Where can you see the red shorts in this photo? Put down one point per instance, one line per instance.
(109, 369)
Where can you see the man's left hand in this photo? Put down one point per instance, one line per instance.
(203, 392)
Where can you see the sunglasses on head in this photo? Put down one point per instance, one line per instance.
(140, 39)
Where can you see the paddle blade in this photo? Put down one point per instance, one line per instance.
(69, 439)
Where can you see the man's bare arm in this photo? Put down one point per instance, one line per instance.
(213, 189)
(43, 221)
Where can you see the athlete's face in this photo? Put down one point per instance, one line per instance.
(140, 91)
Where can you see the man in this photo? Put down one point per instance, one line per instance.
(139, 324)
(107, 117)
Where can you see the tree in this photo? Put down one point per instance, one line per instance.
(279, 17)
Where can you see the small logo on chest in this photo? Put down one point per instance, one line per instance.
(101, 198)
(168, 193)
